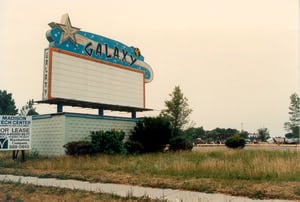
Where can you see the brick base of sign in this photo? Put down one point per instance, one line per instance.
(50, 132)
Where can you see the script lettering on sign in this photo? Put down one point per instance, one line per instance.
(66, 37)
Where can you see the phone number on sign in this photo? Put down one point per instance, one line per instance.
(19, 147)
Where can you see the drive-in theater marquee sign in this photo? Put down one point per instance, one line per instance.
(89, 70)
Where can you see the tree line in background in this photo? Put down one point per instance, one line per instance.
(293, 125)
(168, 130)
(8, 106)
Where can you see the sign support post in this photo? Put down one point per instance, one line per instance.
(100, 112)
(59, 108)
(133, 115)
(15, 154)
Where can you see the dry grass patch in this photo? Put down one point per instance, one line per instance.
(253, 173)
(32, 193)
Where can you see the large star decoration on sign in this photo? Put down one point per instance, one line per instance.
(68, 31)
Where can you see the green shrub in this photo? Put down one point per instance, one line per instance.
(78, 148)
(151, 133)
(108, 142)
(133, 147)
(180, 142)
(235, 141)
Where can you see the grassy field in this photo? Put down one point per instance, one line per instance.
(253, 173)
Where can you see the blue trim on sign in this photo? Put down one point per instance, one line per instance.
(44, 116)
(89, 116)
(119, 48)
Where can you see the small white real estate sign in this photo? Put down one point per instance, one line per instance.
(15, 132)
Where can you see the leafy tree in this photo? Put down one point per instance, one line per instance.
(293, 124)
(220, 134)
(149, 135)
(193, 133)
(8, 107)
(244, 134)
(28, 109)
(7, 104)
(263, 134)
(177, 111)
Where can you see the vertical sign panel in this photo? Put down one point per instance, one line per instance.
(46, 74)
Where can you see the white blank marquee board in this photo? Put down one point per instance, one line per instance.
(92, 81)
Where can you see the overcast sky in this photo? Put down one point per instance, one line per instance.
(237, 61)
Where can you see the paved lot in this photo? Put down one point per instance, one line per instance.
(128, 190)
